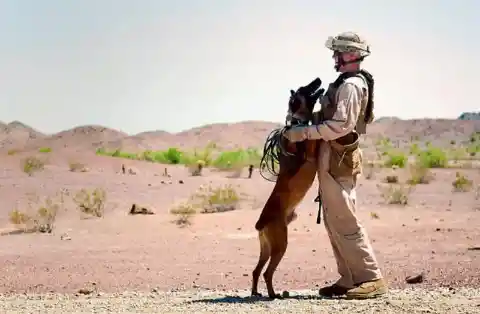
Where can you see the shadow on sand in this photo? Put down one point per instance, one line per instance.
(250, 299)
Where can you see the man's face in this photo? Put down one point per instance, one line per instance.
(345, 56)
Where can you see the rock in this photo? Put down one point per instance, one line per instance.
(85, 291)
(415, 279)
(65, 237)
(138, 210)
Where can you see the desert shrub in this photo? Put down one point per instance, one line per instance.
(77, 167)
(39, 216)
(116, 153)
(419, 174)
(12, 152)
(45, 150)
(196, 169)
(457, 153)
(101, 151)
(461, 183)
(227, 160)
(414, 149)
(172, 156)
(205, 155)
(396, 194)
(384, 141)
(433, 157)
(32, 164)
(208, 199)
(473, 149)
(232, 160)
(475, 137)
(184, 212)
(396, 158)
(91, 203)
(218, 199)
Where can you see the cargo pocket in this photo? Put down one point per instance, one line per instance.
(345, 157)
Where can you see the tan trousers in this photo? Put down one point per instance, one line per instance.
(352, 249)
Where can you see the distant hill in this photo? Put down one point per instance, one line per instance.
(18, 136)
(469, 116)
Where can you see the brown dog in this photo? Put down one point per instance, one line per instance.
(297, 171)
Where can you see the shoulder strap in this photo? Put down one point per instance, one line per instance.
(368, 78)
(369, 116)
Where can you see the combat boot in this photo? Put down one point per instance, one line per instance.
(367, 290)
(332, 291)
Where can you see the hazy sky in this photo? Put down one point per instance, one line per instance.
(172, 65)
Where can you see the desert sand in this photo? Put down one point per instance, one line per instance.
(152, 264)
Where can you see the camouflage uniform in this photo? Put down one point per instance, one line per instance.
(338, 125)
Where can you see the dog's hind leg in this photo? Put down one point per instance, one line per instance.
(278, 235)
(262, 260)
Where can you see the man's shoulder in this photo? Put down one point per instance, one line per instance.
(357, 81)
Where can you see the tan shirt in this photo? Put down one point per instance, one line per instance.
(350, 96)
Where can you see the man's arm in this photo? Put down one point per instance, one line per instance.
(345, 117)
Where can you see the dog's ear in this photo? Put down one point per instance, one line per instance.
(292, 92)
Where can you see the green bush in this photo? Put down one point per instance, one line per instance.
(208, 156)
(414, 149)
(395, 158)
(433, 157)
(237, 159)
(116, 153)
(45, 150)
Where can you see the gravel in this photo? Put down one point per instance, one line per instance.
(412, 300)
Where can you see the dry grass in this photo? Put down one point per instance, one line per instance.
(184, 213)
(196, 168)
(461, 183)
(40, 215)
(91, 203)
(207, 200)
(396, 194)
(77, 167)
(218, 199)
(419, 174)
(32, 164)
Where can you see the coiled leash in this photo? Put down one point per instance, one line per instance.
(271, 153)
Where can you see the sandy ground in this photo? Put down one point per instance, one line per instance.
(436, 233)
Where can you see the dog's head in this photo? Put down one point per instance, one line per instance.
(302, 102)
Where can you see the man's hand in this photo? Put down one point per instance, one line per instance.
(296, 133)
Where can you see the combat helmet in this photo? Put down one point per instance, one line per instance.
(348, 42)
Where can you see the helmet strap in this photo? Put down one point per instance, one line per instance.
(341, 62)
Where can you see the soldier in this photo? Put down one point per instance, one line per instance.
(347, 108)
